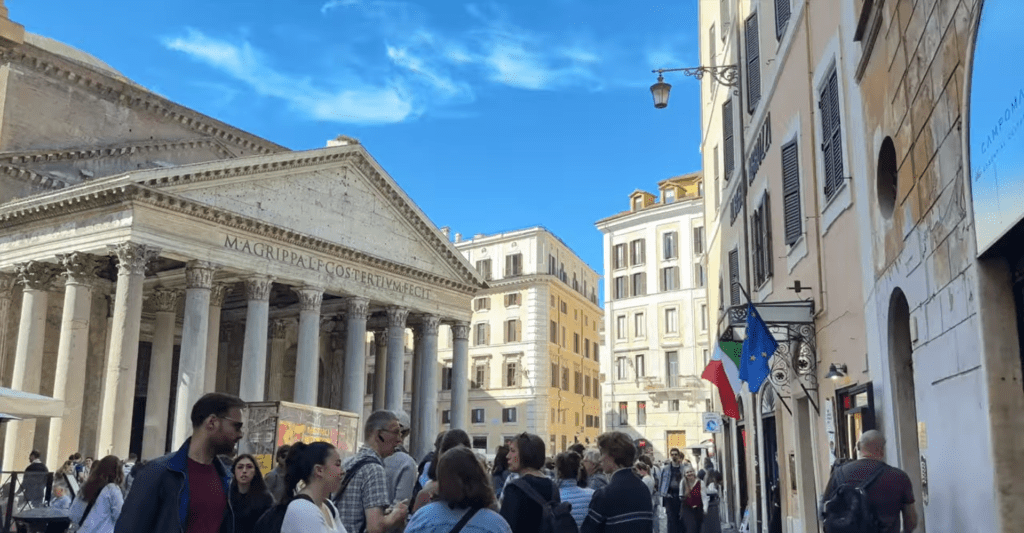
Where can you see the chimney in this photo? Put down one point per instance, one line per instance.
(458, 237)
(446, 231)
(342, 140)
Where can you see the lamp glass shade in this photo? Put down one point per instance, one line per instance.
(660, 92)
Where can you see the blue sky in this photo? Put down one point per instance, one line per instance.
(492, 116)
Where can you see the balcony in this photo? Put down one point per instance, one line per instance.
(677, 387)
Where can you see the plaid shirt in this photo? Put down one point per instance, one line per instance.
(368, 489)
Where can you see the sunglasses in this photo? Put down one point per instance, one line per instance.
(237, 423)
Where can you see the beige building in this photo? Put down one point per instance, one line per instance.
(656, 319)
(534, 336)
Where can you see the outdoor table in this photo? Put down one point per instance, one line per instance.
(43, 520)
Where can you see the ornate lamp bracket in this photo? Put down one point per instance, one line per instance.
(728, 75)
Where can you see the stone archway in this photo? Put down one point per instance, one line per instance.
(901, 366)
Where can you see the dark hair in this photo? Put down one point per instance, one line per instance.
(76, 456)
(108, 470)
(33, 455)
(282, 452)
(257, 484)
(462, 480)
(619, 446)
(451, 439)
(214, 403)
(578, 448)
(500, 460)
(567, 465)
(302, 458)
(531, 450)
(713, 476)
(675, 450)
(132, 456)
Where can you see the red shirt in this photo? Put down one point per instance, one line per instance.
(206, 500)
(693, 499)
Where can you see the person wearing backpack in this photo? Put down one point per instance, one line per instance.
(362, 497)
(624, 506)
(867, 495)
(531, 503)
(318, 465)
(464, 502)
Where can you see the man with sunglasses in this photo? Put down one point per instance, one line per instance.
(363, 501)
(668, 486)
(187, 491)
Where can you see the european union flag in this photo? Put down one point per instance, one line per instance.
(758, 348)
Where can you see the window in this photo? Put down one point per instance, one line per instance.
(673, 405)
(484, 268)
(563, 337)
(704, 352)
(623, 413)
(641, 370)
(595, 351)
(482, 334)
(371, 381)
(554, 380)
(639, 325)
(636, 252)
(565, 379)
(671, 369)
(712, 50)
(698, 240)
(727, 139)
(513, 330)
(479, 376)
(586, 348)
(480, 442)
(639, 284)
(791, 193)
(831, 130)
(669, 246)
(554, 332)
(669, 196)
(586, 387)
(671, 320)
(621, 372)
(753, 46)
(620, 327)
(638, 203)
(576, 343)
(508, 414)
(446, 416)
(699, 277)
(621, 290)
(481, 304)
(446, 377)
(669, 280)
(761, 228)
(597, 389)
(511, 374)
(511, 299)
(781, 17)
(552, 300)
(513, 265)
(734, 277)
(619, 259)
(577, 383)
(477, 416)
(551, 265)
(641, 413)
(565, 307)
(718, 190)
(704, 319)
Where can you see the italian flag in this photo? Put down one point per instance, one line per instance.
(724, 372)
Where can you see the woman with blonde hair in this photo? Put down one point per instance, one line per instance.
(98, 504)
(691, 512)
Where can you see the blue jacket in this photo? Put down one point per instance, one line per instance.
(665, 481)
(158, 501)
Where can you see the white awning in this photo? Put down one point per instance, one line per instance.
(15, 404)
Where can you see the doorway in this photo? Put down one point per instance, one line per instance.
(901, 361)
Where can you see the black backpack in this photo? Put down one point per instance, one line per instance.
(270, 521)
(847, 509)
(556, 515)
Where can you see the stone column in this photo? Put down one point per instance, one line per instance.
(72, 352)
(28, 356)
(161, 362)
(335, 364)
(415, 412)
(194, 333)
(7, 282)
(123, 355)
(254, 351)
(355, 355)
(424, 425)
(460, 376)
(278, 328)
(307, 357)
(395, 391)
(213, 337)
(380, 378)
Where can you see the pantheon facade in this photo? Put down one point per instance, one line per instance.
(150, 254)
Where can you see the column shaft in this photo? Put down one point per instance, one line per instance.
(278, 345)
(425, 423)
(194, 333)
(416, 410)
(307, 357)
(213, 337)
(161, 360)
(254, 351)
(6, 285)
(460, 376)
(395, 393)
(355, 356)
(72, 352)
(380, 377)
(123, 355)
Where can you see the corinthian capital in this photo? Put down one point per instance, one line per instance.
(199, 275)
(310, 298)
(278, 327)
(217, 294)
(460, 331)
(358, 308)
(258, 288)
(381, 338)
(35, 275)
(165, 300)
(7, 282)
(79, 268)
(397, 316)
(133, 258)
(429, 325)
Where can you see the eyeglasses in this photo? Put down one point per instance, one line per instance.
(237, 423)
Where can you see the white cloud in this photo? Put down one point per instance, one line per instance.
(332, 4)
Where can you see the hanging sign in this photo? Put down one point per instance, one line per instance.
(712, 422)
(830, 430)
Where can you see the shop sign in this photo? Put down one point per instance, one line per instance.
(712, 423)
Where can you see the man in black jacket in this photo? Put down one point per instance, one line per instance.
(624, 506)
(35, 480)
(187, 491)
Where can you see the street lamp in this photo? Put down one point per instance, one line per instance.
(836, 371)
(727, 75)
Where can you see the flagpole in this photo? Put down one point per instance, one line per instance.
(778, 394)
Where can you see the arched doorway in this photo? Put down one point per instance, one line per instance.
(901, 366)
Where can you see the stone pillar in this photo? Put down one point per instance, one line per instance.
(380, 378)
(355, 355)
(254, 351)
(395, 392)
(460, 376)
(72, 352)
(28, 356)
(7, 282)
(415, 411)
(213, 337)
(424, 425)
(194, 333)
(307, 357)
(161, 362)
(335, 365)
(278, 345)
(123, 355)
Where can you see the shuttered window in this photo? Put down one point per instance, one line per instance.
(734, 277)
(727, 139)
(831, 133)
(782, 12)
(762, 235)
(753, 46)
(791, 192)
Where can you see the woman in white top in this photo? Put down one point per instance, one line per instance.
(98, 504)
(318, 465)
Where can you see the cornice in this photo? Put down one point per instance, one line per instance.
(31, 176)
(29, 157)
(129, 95)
